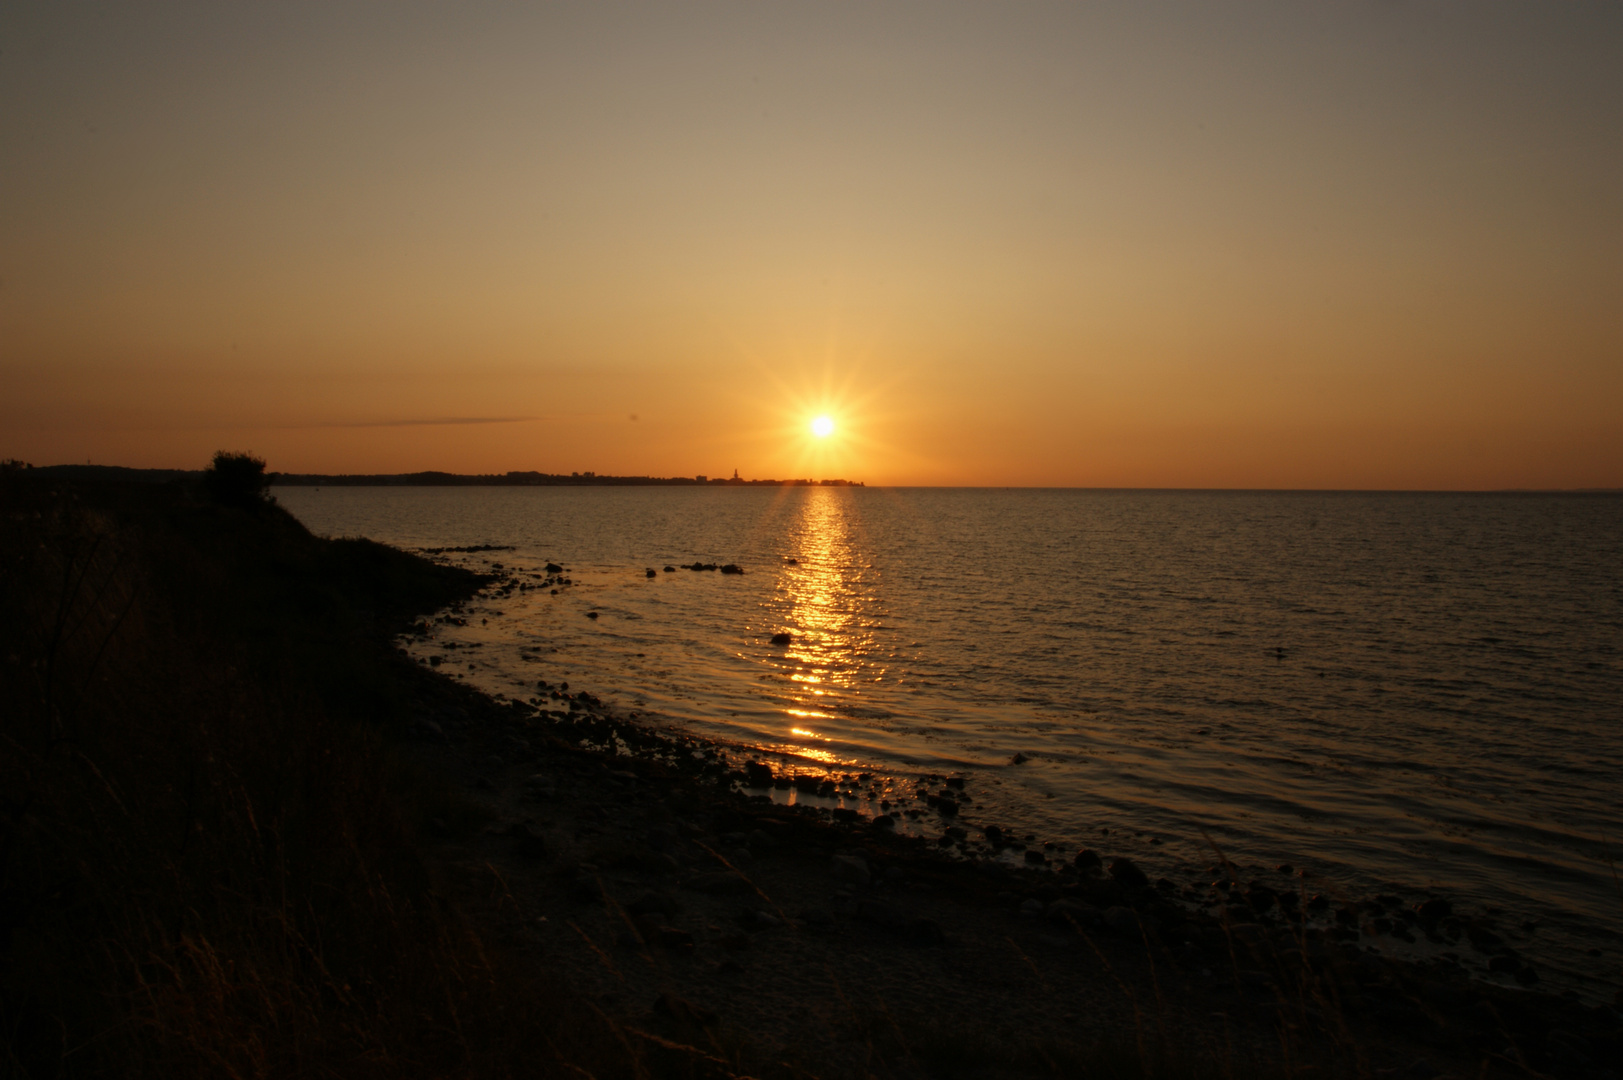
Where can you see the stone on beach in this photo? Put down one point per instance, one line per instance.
(586, 889)
(654, 903)
(669, 937)
(684, 1011)
(919, 931)
(1074, 913)
(1434, 910)
(756, 919)
(527, 841)
(719, 882)
(1261, 897)
(1127, 873)
(850, 868)
(1124, 921)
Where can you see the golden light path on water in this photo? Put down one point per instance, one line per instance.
(819, 595)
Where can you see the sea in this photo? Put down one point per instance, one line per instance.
(1361, 694)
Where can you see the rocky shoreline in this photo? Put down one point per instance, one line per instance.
(655, 867)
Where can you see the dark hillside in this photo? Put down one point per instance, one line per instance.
(208, 860)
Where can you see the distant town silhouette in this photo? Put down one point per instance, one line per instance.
(529, 478)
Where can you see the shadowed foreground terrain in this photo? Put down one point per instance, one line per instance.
(208, 854)
(242, 835)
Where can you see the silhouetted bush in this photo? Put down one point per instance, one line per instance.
(237, 479)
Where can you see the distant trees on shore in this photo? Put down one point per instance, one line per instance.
(532, 478)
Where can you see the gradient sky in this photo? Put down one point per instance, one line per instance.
(1177, 244)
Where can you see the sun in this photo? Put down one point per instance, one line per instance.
(822, 427)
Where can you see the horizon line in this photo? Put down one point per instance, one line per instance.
(593, 479)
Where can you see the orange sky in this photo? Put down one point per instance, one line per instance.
(1249, 245)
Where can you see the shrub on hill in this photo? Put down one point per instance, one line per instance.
(237, 479)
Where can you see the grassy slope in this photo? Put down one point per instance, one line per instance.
(207, 846)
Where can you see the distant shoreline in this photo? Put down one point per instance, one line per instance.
(536, 479)
(529, 478)
(126, 474)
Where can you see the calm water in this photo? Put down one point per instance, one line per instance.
(1445, 713)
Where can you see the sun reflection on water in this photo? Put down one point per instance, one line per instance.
(820, 599)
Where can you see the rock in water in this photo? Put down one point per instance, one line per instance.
(781, 639)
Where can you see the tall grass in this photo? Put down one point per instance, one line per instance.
(207, 852)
